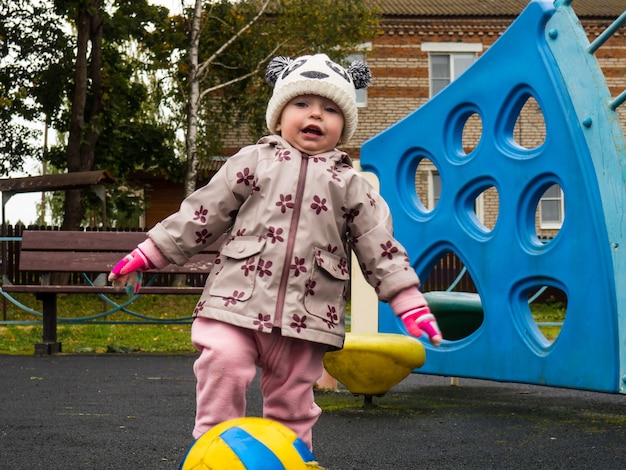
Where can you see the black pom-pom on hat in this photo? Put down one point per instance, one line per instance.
(276, 66)
(360, 73)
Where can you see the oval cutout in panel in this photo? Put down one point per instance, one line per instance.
(487, 207)
(472, 133)
(529, 131)
(453, 297)
(478, 206)
(539, 312)
(521, 127)
(464, 133)
(549, 213)
(428, 185)
(548, 307)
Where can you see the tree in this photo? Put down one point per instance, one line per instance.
(230, 44)
(85, 123)
(109, 97)
(34, 52)
(99, 83)
(103, 93)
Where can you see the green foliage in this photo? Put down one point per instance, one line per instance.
(303, 27)
(145, 77)
(133, 135)
(33, 61)
(290, 28)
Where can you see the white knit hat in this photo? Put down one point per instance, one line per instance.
(316, 75)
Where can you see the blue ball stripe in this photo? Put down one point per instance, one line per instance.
(303, 450)
(253, 454)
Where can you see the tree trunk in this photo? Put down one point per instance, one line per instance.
(191, 174)
(84, 129)
(74, 209)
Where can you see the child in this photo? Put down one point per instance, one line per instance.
(275, 296)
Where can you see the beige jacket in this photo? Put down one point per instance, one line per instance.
(288, 219)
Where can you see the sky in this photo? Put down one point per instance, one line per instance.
(23, 207)
(173, 5)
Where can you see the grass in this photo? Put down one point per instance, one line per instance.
(549, 312)
(103, 338)
(123, 338)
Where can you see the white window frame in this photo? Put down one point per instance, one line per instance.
(449, 49)
(551, 224)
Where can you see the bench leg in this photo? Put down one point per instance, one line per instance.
(49, 345)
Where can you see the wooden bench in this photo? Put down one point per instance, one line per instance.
(93, 253)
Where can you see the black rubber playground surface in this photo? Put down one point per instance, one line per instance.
(136, 412)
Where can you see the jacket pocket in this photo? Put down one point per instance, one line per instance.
(325, 288)
(237, 275)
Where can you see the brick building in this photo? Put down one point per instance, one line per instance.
(419, 48)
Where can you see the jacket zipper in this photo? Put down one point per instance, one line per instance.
(291, 241)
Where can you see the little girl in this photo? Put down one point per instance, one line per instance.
(290, 205)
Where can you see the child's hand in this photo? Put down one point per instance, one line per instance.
(126, 274)
(411, 307)
(420, 320)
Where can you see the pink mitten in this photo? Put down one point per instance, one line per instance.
(420, 319)
(412, 308)
(127, 272)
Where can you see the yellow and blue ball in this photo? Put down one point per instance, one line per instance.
(249, 444)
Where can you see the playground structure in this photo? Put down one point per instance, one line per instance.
(370, 364)
(544, 55)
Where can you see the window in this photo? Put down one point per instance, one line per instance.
(434, 189)
(552, 208)
(444, 68)
(447, 61)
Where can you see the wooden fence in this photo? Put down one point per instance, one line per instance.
(443, 275)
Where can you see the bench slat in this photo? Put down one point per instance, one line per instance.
(79, 261)
(99, 241)
(46, 240)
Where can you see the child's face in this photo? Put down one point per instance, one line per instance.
(311, 124)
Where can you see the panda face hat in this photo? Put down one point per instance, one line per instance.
(316, 75)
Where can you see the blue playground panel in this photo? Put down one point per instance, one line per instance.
(545, 55)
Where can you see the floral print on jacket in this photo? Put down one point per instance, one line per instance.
(289, 218)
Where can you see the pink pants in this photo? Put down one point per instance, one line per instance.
(229, 356)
